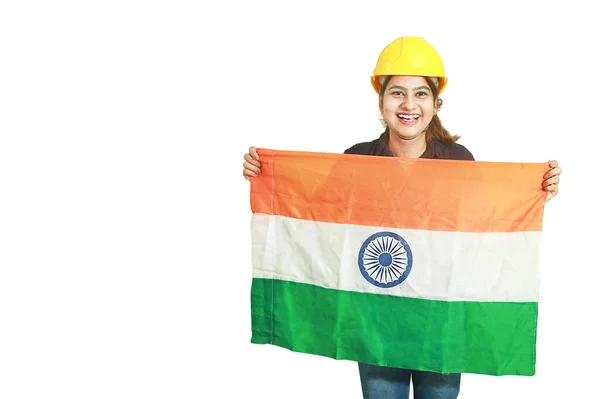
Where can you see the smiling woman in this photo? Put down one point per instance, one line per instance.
(408, 106)
(409, 77)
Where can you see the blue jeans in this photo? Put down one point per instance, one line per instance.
(392, 383)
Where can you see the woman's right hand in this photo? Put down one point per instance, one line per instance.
(251, 164)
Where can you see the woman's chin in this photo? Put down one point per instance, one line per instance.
(407, 135)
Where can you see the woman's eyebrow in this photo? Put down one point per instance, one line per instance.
(405, 89)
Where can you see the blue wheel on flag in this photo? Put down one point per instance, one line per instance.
(385, 259)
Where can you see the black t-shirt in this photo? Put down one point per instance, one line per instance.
(435, 149)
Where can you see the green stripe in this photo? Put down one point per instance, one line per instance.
(495, 338)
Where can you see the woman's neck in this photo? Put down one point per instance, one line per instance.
(412, 148)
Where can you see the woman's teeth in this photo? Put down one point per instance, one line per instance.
(409, 117)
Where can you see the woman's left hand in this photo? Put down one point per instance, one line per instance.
(551, 179)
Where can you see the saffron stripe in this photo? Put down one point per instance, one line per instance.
(421, 194)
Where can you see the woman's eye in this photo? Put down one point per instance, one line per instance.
(422, 94)
(397, 93)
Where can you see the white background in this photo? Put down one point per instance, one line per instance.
(125, 221)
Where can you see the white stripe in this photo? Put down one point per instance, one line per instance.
(446, 265)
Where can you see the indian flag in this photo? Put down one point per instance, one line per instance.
(413, 263)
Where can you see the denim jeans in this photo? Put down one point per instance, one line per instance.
(392, 383)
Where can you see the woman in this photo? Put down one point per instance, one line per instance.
(409, 77)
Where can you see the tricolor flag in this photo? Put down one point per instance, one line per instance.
(413, 263)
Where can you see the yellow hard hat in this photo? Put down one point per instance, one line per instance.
(409, 55)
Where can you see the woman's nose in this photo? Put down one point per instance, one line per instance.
(408, 103)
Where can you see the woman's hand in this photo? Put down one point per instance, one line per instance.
(251, 164)
(551, 179)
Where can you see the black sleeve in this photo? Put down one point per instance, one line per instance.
(460, 152)
(358, 149)
(467, 155)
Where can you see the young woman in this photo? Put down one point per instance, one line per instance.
(409, 77)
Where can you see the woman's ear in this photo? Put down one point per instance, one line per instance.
(438, 106)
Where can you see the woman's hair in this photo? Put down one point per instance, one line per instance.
(435, 130)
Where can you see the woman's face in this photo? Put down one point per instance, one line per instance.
(407, 106)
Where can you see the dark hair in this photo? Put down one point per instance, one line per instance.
(435, 130)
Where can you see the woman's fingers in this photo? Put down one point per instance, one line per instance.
(253, 153)
(248, 158)
(251, 167)
(551, 181)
